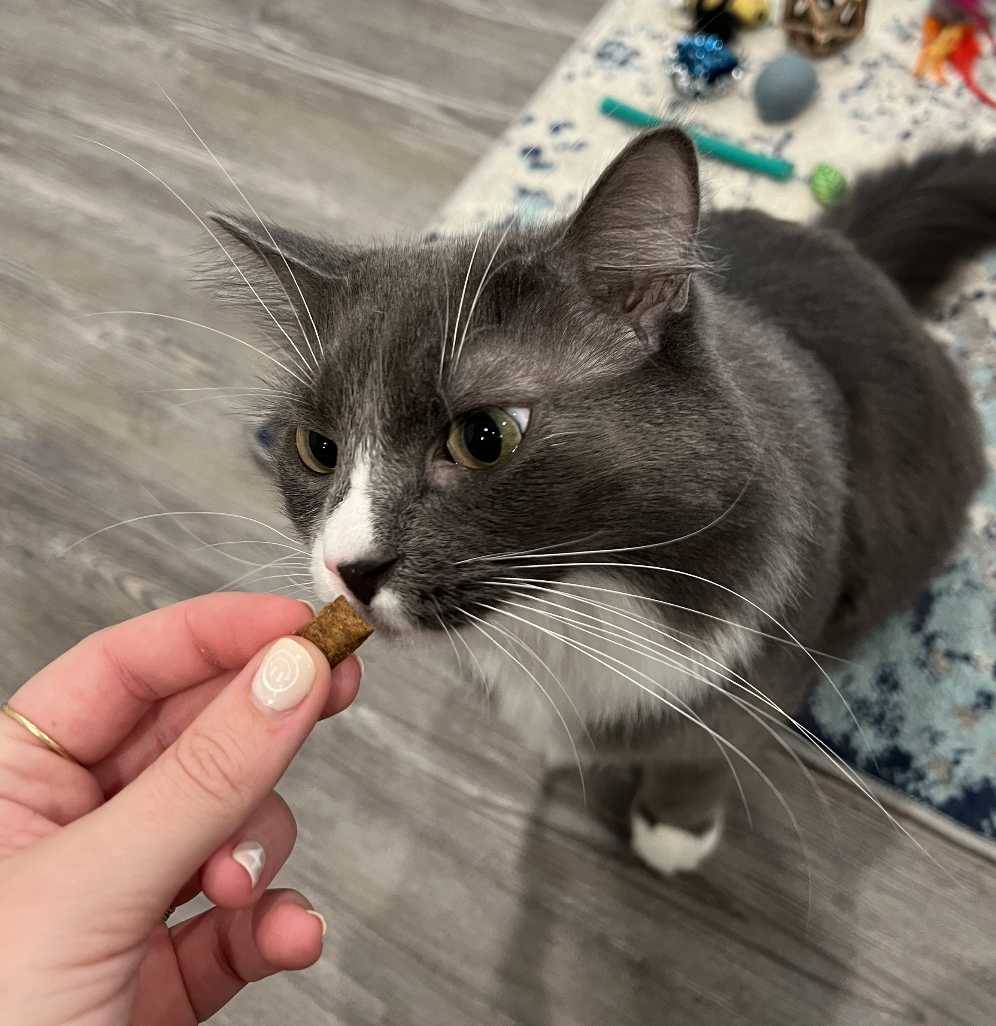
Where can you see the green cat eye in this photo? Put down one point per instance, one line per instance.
(486, 436)
(317, 452)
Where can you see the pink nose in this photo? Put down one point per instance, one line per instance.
(365, 577)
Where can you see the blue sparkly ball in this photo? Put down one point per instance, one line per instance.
(702, 67)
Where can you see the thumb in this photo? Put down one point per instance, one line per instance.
(149, 839)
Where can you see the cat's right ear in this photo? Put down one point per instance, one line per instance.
(632, 244)
(279, 273)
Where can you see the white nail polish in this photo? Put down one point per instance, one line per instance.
(251, 857)
(319, 917)
(284, 677)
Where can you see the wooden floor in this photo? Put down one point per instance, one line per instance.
(460, 887)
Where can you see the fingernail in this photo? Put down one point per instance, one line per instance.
(360, 661)
(310, 605)
(284, 677)
(251, 857)
(319, 917)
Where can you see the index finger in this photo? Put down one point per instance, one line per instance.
(91, 696)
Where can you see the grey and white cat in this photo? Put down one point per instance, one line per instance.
(634, 463)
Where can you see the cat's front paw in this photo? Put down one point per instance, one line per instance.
(672, 849)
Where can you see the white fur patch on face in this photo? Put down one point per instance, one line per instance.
(599, 655)
(349, 537)
(348, 534)
(390, 611)
(669, 849)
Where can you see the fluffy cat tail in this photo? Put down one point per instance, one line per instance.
(919, 221)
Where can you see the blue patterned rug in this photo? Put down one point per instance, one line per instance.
(923, 689)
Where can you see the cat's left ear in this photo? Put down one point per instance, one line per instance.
(632, 243)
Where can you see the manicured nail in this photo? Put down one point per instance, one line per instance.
(360, 661)
(284, 677)
(251, 857)
(319, 917)
(310, 605)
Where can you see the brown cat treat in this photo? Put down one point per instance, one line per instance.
(337, 630)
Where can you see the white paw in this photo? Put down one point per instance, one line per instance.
(669, 849)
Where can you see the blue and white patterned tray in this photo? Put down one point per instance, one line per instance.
(924, 689)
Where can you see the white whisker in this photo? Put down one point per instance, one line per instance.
(520, 642)
(263, 541)
(477, 296)
(729, 591)
(650, 649)
(590, 652)
(741, 682)
(521, 552)
(463, 291)
(271, 577)
(446, 328)
(628, 548)
(452, 644)
(212, 388)
(214, 399)
(203, 224)
(259, 568)
(476, 622)
(536, 581)
(196, 324)
(211, 154)
(685, 706)
(480, 669)
(181, 513)
(289, 587)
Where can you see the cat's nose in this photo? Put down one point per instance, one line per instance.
(365, 577)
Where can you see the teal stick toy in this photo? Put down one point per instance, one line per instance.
(706, 144)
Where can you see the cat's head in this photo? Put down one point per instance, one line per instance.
(452, 413)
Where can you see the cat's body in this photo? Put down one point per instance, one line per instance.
(719, 448)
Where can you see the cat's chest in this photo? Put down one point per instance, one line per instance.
(558, 663)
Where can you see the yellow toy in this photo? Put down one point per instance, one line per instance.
(724, 18)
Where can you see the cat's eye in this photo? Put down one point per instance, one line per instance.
(317, 452)
(486, 436)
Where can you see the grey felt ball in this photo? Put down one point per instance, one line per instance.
(784, 88)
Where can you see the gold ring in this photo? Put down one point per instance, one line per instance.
(38, 733)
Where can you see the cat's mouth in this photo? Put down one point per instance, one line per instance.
(384, 611)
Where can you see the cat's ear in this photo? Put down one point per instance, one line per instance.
(294, 276)
(632, 243)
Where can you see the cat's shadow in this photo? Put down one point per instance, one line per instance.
(531, 887)
(754, 931)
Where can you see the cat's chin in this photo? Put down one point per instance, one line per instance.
(390, 631)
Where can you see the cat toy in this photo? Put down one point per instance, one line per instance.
(774, 167)
(950, 12)
(826, 183)
(819, 28)
(954, 44)
(703, 67)
(725, 18)
(784, 88)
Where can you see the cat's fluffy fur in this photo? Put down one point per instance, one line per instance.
(740, 441)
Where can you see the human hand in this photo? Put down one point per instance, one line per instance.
(176, 762)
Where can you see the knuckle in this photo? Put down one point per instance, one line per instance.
(214, 766)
